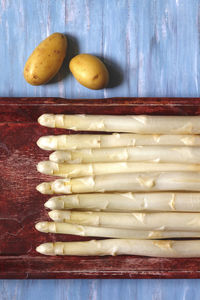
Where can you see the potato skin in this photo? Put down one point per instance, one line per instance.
(89, 71)
(46, 59)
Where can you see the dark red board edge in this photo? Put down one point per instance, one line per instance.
(26, 110)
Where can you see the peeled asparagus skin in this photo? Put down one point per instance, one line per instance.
(130, 123)
(154, 248)
(128, 182)
(82, 141)
(164, 201)
(138, 221)
(93, 169)
(139, 153)
(81, 230)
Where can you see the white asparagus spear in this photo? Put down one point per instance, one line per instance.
(76, 229)
(82, 141)
(128, 202)
(131, 123)
(138, 221)
(134, 154)
(154, 248)
(128, 182)
(93, 169)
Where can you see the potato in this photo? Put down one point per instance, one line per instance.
(46, 59)
(89, 71)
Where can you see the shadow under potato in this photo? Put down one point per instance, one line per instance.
(72, 50)
(115, 71)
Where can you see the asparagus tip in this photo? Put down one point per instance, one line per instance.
(44, 188)
(42, 226)
(46, 248)
(47, 167)
(60, 156)
(50, 204)
(56, 215)
(53, 215)
(53, 157)
(46, 120)
(39, 142)
(44, 142)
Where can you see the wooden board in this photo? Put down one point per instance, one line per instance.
(21, 206)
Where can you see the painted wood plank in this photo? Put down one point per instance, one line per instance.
(151, 47)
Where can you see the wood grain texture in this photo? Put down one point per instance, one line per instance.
(152, 47)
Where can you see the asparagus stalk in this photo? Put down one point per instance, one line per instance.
(138, 221)
(93, 169)
(135, 123)
(82, 141)
(76, 229)
(155, 248)
(134, 154)
(128, 182)
(126, 202)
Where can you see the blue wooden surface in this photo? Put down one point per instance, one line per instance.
(152, 48)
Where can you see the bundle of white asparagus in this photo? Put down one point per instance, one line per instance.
(137, 186)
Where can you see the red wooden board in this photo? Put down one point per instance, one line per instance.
(21, 206)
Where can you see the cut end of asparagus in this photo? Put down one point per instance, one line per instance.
(47, 120)
(47, 167)
(46, 249)
(44, 188)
